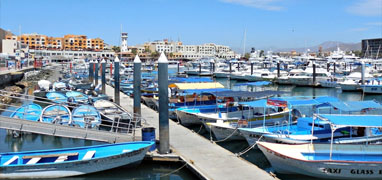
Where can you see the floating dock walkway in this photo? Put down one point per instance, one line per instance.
(208, 160)
(64, 131)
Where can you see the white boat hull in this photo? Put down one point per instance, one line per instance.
(222, 75)
(349, 87)
(376, 89)
(187, 119)
(329, 169)
(222, 133)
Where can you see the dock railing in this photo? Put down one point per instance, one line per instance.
(121, 126)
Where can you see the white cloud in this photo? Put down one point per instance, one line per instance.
(359, 29)
(374, 24)
(366, 8)
(260, 4)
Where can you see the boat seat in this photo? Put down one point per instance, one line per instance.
(89, 155)
(14, 158)
(61, 159)
(34, 160)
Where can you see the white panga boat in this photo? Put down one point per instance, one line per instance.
(71, 161)
(257, 114)
(334, 161)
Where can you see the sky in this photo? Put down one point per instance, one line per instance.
(263, 24)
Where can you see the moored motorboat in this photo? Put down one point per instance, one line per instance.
(57, 97)
(86, 116)
(58, 163)
(112, 112)
(334, 161)
(28, 112)
(56, 114)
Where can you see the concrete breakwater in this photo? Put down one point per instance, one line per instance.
(8, 78)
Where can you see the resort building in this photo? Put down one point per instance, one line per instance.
(68, 42)
(372, 48)
(177, 50)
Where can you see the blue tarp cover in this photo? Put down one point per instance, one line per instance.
(355, 105)
(199, 91)
(258, 83)
(298, 101)
(246, 94)
(258, 103)
(354, 120)
(189, 79)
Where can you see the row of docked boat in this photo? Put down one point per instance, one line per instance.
(327, 138)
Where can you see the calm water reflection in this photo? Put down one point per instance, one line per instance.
(149, 170)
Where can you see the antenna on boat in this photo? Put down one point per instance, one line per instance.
(245, 34)
(376, 56)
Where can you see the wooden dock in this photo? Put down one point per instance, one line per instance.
(208, 160)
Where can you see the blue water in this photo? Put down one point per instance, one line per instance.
(150, 170)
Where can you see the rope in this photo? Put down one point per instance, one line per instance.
(248, 148)
(164, 175)
(227, 136)
(174, 171)
(200, 129)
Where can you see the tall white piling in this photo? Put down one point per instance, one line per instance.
(164, 146)
(137, 89)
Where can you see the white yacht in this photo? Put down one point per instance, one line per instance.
(260, 75)
(352, 82)
(306, 78)
(285, 79)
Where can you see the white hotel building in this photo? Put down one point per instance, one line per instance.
(180, 51)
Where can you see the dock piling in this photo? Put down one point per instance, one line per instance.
(111, 70)
(251, 68)
(230, 67)
(103, 76)
(91, 71)
(327, 67)
(334, 70)
(314, 74)
(116, 81)
(164, 135)
(96, 71)
(178, 67)
(278, 68)
(363, 73)
(137, 89)
(200, 68)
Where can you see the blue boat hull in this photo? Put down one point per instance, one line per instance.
(75, 167)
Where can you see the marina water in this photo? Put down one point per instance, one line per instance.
(175, 171)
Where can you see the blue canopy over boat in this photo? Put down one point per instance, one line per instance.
(353, 120)
(199, 91)
(189, 80)
(246, 94)
(258, 103)
(303, 101)
(355, 105)
(258, 83)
